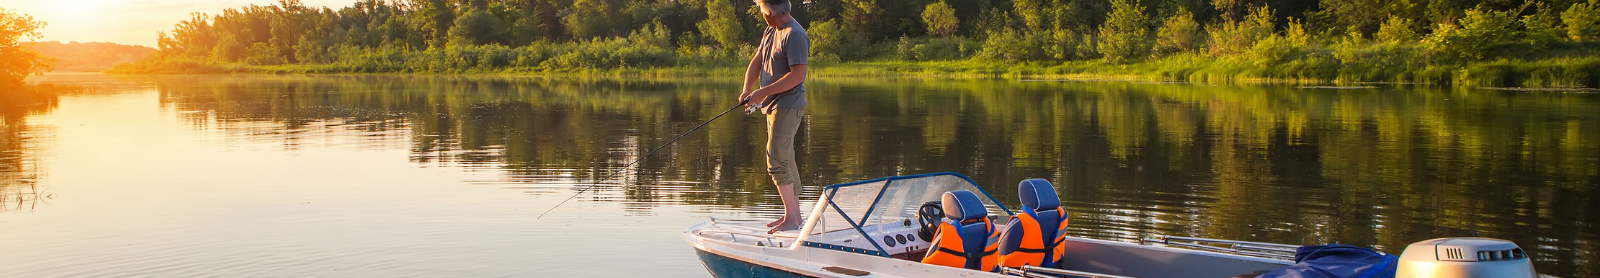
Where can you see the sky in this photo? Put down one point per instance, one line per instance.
(126, 21)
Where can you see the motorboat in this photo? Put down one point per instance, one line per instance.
(885, 227)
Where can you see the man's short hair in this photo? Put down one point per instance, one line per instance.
(779, 7)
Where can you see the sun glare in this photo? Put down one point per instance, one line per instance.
(77, 11)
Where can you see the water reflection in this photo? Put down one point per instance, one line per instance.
(1377, 167)
(20, 159)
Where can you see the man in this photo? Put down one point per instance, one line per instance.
(780, 67)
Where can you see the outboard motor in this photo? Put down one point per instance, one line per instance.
(1465, 257)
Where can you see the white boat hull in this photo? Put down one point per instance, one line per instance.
(735, 251)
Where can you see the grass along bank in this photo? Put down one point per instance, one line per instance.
(1383, 65)
(1273, 57)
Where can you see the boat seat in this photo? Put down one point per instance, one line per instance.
(1035, 236)
(966, 238)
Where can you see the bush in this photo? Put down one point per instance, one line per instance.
(1124, 35)
(1009, 45)
(1540, 29)
(1479, 33)
(262, 54)
(1360, 60)
(707, 56)
(1066, 44)
(933, 49)
(1395, 30)
(1583, 21)
(1232, 38)
(1179, 33)
(1277, 49)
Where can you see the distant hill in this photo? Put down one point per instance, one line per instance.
(90, 56)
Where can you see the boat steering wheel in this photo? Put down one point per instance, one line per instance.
(928, 217)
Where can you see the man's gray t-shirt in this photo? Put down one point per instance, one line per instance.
(781, 48)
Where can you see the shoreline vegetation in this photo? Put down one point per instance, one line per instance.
(1533, 44)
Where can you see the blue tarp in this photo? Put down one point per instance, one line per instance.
(1337, 261)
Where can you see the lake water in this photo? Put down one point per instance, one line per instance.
(446, 176)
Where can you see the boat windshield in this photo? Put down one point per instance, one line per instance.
(887, 206)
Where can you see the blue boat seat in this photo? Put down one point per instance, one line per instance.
(966, 238)
(1035, 236)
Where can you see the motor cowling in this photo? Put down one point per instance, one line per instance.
(1465, 257)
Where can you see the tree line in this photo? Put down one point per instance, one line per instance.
(89, 56)
(461, 35)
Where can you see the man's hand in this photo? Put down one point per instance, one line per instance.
(756, 97)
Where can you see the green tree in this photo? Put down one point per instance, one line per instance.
(1583, 21)
(311, 50)
(1179, 33)
(16, 61)
(433, 20)
(941, 19)
(228, 50)
(721, 24)
(193, 37)
(1038, 15)
(991, 21)
(1124, 35)
(588, 19)
(527, 30)
(478, 27)
(1357, 15)
(834, 40)
(862, 16)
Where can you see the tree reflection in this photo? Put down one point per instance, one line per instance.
(19, 159)
(1379, 167)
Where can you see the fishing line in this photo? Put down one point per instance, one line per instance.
(647, 155)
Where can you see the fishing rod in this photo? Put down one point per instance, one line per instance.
(747, 111)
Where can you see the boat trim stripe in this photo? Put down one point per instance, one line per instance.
(843, 248)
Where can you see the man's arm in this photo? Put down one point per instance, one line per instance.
(752, 73)
(796, 75)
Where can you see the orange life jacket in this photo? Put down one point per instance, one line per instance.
(950, 251)
(1033, 249)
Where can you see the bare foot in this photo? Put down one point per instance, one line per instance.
(779, 221)
(785, 226)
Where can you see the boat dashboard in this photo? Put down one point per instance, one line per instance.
(902, 239)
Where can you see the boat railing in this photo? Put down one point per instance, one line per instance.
(1236, 247)
(1045, 272)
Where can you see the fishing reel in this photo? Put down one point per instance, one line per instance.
(929, 215)
(752, 108)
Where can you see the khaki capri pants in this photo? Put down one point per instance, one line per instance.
(782, 124)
